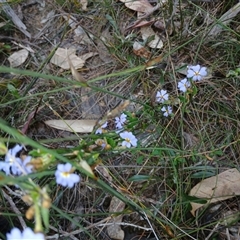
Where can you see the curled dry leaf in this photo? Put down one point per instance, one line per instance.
(140, 23)
(79, 126)
(218, 188)
(18, 58)
(147, 32)
(141, 51)
(117, 110)
(60, 58)
(114, 230)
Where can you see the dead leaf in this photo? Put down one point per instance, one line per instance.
(148, 32)
(140, 23)
(220, 187)
(79, 126)
(60, 58)
(138, 6)
(225, 19)
(143, 7)
(104, 172)
(84, 4)
(141, 51)
(151, 63)
(2, 24)
(114, 230)
(118, 109)
(77, 76)
(18, 58)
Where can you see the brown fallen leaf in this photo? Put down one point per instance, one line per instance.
(141, 51)
(139, 6)
(79, 126)
(143, 7)
(18, 58)
(114, 230)
(220, 187)
(150, 64)
(140, 23)
(60, 58)
(84, 4)
(77, 76)
(148, 32)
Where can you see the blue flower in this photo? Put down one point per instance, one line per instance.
(27, 234)
(196, 72)
(129, 139)
(167, 111)
(100, 130)
(65, 177)
(161, 96)
(120, 120)
(14, 164)
(183, 85)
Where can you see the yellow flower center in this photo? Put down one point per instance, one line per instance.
(65, 174)
(127, 139)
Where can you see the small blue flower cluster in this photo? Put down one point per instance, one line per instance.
(194, 73)
(129, 139)
(15, 165)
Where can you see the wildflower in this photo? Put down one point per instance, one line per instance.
(129, 139)
(100, 130)
(27, 234)
(183, 85)
(120, 120)
(196, 72)
(65, 177)
(14, 163)
(167, 111)
(161, 96)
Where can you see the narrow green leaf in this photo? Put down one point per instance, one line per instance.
(138, 178)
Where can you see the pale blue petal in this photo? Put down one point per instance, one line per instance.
(98, 131)
(28, 234)
(75, 178)
(67, 167)
(15, 234)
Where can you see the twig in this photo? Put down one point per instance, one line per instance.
(124, 224)
(12, 15)
(151, 226)
(168, 220)
(76, 231)
(15, 209)
(213, 231)
(57, 236)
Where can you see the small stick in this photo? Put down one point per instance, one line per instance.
(15, 209)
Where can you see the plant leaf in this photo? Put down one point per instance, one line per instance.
(137, 178)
